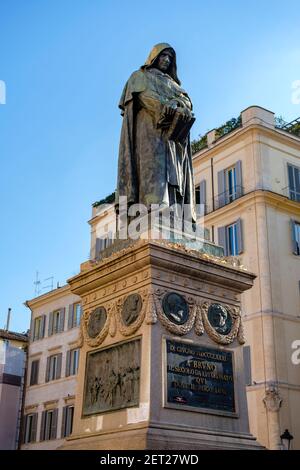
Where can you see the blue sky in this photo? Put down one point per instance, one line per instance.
(65, 62)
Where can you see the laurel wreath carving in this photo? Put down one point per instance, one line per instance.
(235, 332)
(102, 334)
(172, 327)
(128, 330)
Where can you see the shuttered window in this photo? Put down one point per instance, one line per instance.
(30, 428)
(230, 238)
(34, 373)
(39, 327)
(230, 184)
(295, 227)
(53, 367)
(72, 362)
(74, 315)
(67, 421)
(294, 182)
(56, 322)
(200, 198)
(49, 425)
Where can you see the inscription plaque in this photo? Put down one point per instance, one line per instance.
(199, 377)
(112, 379)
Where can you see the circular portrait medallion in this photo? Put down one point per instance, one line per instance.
(131, 309)
(220, 319)
(96, 321)
(175, 308)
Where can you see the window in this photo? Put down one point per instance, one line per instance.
(231, 238)
(230, 184)
(74, 315)
(30, 428)
(72, 362)
(67, 421)
(200, 198)
(296, 237)
(49, 425)
(56, 321)
(53, 368)
(232, 241)
(103, 242)
(34, 373)
(39, 327)
(294, 182)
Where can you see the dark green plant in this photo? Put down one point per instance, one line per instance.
(199, 144)
(107, 200)
(229, 126)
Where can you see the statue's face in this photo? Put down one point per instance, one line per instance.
(164, 60)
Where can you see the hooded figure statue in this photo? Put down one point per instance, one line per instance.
(155, 164)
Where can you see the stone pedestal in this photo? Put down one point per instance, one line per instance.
(161, 363)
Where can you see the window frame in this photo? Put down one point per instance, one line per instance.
(234, 239)
(231, 192)
(31, 381)
(294, 195)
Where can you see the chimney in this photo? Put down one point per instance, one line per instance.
(8, 319)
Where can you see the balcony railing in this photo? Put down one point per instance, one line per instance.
(291, 193)
(223, 199)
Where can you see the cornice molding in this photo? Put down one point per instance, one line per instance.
(259, 196)
(48, 297)
(231, 138)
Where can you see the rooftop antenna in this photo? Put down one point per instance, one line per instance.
(37, 284)
(50, 286)
(8, 319)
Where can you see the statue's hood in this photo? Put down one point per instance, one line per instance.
(156, 50)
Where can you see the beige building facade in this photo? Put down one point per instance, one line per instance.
(248, 181)
(53, 358)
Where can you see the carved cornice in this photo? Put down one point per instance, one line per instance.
(160, 254)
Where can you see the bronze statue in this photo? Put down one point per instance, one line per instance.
(155, 164)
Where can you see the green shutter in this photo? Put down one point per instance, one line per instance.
(222, 239)
(47, 369)
(239, 230)
(50, 325)
(42, 326)
(68, 363)
(63, 423)
(33, 427)
(62, 319)
(43, 422)
(238, 176)
(58, 366)
(203, 195)
(71, 316)
(53, 431)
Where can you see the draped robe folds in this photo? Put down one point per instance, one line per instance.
(152, 168)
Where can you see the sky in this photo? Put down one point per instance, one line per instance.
(64, 64)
